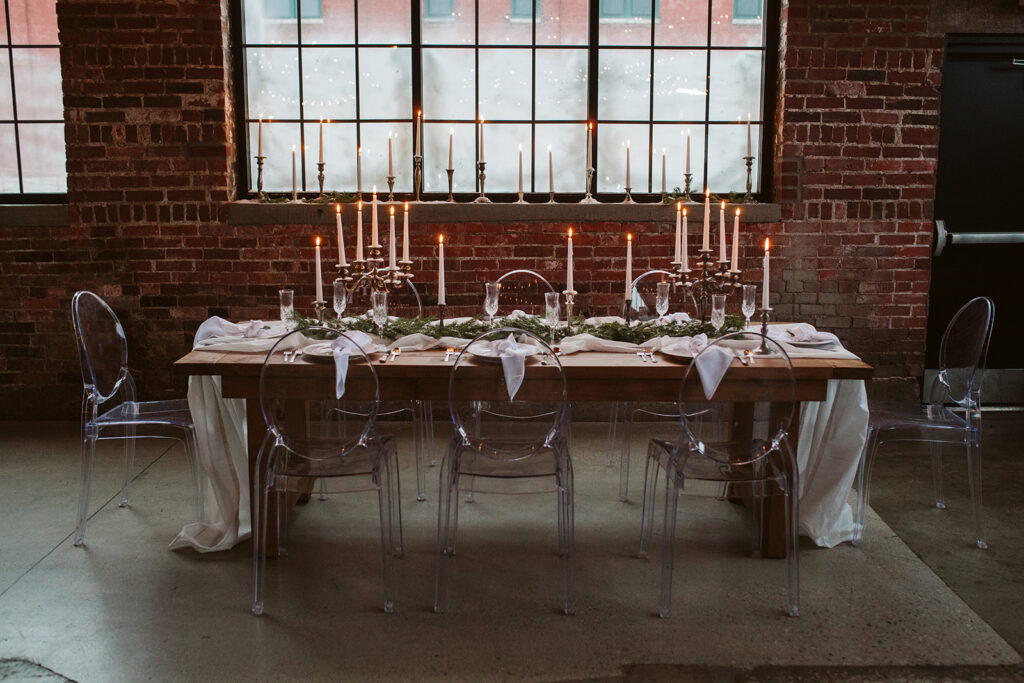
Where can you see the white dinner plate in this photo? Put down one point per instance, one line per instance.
(323, 351)
(811, 344)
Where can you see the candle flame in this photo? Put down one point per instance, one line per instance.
(684, 212)
(707, 192)
(360, 205)
(723, 204)
(440, 239)
(629, 237)
(392, 211)
(737, 212)
(407, 207)
(419, 112)
(375, 189)
(318, 240)
(337, 208)
(570, 232)
(767, 244)
(679, 206)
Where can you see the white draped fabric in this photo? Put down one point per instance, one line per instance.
(832, 432)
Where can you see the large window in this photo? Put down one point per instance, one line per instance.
(32, 158)
(533, 69)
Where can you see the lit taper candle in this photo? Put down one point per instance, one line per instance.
(319, 273)
(764, 280)
(341, 240)
(721, 233)
(441, 301)
(373, 220)
(706, 244)
(359, 230)
(736, 243)
(392, 243)
(629, 267)
(568, 275)
(405, 233)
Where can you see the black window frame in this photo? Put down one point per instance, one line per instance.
(762, 182)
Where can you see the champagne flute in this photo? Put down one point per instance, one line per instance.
(340, 297)
(491, 300)
(551, 312)
(718, 311)
(287, 299)
(661, 302)
(749, 302)
(379, 300)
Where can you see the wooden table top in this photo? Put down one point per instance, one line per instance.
(590, 376)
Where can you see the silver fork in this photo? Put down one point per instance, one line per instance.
(298, 352)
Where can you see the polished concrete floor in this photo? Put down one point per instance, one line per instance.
(915, 602)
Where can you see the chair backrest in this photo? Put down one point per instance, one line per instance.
(316, 433)
(964, 348)
(478, 398)
(523, 289)
(403, 301)
(644, 292)
(759, 418)
(102, 348)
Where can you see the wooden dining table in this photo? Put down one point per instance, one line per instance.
(589, 377)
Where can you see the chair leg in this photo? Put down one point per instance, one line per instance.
(395, 499)
(668, 543)
(447, 494)
(649, 496)
(129, 464)
(792, 493)
(566, 494)
(613, 419)
(867, 461)
(88, 456)
(940, 499)
(323, 489)
(420, 437)
(385, 488)
(627, 446)
(259, 530)
(428, 421)
(974, 479)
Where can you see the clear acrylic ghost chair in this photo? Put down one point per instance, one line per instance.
(506, 445)
(103, 355)
(406, 302)
(642, 303)
(301, 446)
(952, 414)
(523, 289)
(757, 458)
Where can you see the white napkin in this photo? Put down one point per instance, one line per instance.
(802, 332)
(679, 317)
(711, 361)
(217, 328)
(342, 348)
(588, 342)
(513, 362)
(516, 314)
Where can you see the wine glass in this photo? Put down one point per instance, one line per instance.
(379, 300)
(551, 312)
(718, 311)
(491, 300)
(287, 298)
(749, 302)
(340, 297)
(661, 302)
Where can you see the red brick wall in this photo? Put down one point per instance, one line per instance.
(151, 169)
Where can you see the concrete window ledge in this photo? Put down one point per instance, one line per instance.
(249, 212)
(34, 215)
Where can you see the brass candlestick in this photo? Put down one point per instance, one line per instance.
(765, 314)
(570, 297)
(629, 197)
(686, 189)
(391, 189)
(259, 176)
(320, 176)
(451, 174)
(750, 163)
(711, 278)
(590, 177)
(440, 315)
(480, 166)
(417, 174)
(320, 306)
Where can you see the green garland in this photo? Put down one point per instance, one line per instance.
(468, 329)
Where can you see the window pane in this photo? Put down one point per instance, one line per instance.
(37, 83)
(329, 83)
(735, 84)
(339, 156)
(672, 139)
(435, 157)
(498, 28)
(374, 137)
(611, 157)
(501, 151)
(727, 146)
(679, 84)
(6, 108)
(338, 25)
(624, 84)
(451, 22)
(385, 83)
(562, 84)
(33, 22)
(278, 140)
(273, 82)
(261, 29)
(625, 22)
(737, 23)
(384, 22)
(9, 160)
(562, 23)
(568, 144)
(683, 23)
(42, 157)
(448, 84)
(505, 84)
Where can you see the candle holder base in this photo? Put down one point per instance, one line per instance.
(765, 315)
(627, 311)
(417, 174)
(481, 200)
(520, 200)
(320, 306)
(259, 177)
(750, 162)
(551, 198)
(664, 197)
(570, 298)
(451, 175)
(688, 177)
(712, 277)
(320, 176)
(480, 166)
(440, 315)
(629, 197)
(391, 189)
(589, 199)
